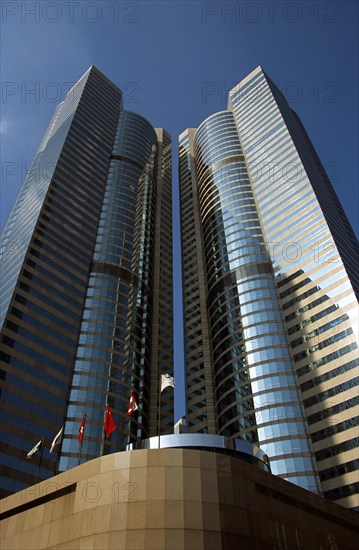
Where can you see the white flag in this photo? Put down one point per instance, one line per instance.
(167, 381)
(34, 449)
(57, 440)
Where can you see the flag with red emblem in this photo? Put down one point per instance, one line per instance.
(133, 404)
(81, 430)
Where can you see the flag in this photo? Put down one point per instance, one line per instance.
(57, 440)
(109, 426)
(34, 449)
(167, 381)
(81, 430)
(132, 407)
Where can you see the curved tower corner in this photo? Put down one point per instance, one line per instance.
(87, 298)
(271, 304)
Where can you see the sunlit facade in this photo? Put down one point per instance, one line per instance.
(197, 492)
(270, 287)
(87, 286)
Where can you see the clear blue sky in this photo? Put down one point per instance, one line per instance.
(175, 60)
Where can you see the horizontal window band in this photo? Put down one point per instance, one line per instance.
(127, 159)
(235, 276)
(288, 500)
(38, 501)
(117, 271)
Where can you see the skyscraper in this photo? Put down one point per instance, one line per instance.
(86, 286)
(270, 287)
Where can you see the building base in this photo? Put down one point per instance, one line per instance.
(173, 499)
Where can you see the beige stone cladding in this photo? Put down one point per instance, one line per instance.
(172, 499)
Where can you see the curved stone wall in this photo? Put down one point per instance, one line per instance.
(171, 499)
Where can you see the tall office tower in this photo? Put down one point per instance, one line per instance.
(270, 291)
(86, 286)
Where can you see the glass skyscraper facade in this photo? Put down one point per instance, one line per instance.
(86, 286)
(270, 292)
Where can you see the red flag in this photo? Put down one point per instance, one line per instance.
(133, 404)
(81, 430)
(109, 426)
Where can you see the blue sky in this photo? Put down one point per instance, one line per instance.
(176, 62)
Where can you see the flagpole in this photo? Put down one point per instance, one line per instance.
(132, 407)
(129, 430)
(103, 437)
(159, 414)
(82, 438)
(40, 460)
(104, 432)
